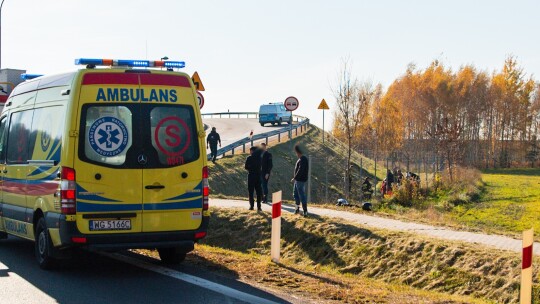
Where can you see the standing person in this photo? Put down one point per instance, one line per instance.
(366, 189)
(389, 181)
(212, 140)
(253, 166)
(266, 168)
(300, 178)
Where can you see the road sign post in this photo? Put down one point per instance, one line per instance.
(323, 106)
(275, 240)
(526, 267)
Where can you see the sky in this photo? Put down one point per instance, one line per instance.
(253, 52)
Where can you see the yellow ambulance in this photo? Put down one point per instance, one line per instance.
(105, 158)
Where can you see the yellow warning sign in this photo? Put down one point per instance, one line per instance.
(323, 105)
(197, 82)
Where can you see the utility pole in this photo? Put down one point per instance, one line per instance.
(1, 5)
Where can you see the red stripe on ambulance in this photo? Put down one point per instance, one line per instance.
(164, 80)
(110, 78)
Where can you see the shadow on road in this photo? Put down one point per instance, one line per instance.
(93, 278)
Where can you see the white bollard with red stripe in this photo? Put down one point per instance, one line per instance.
(526, 267)
(275, 244)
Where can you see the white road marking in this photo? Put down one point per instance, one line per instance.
(224, 290)
(17, 290)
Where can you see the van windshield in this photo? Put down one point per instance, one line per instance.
(268, 109)
(138, 135)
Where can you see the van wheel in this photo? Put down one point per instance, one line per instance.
(262, 125)
(273, 124)
(279, 122)
(43, 246)
(170, 256)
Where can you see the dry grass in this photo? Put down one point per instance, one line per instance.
(323, 246)
(307, 283)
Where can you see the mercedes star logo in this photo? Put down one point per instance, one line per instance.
(142, 159)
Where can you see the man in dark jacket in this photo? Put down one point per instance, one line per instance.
(212, 140)
(266, 168)
(389, 180)
(301, 171)
(253, 166)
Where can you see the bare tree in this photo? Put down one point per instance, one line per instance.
(448, 136)
(353, 99)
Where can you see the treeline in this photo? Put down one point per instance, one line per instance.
(465, 117)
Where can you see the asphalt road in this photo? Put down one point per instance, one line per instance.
(94, 278)
(233, 129)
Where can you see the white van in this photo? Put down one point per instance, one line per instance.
(274, 113)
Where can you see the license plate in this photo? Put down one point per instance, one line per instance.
(110, 225)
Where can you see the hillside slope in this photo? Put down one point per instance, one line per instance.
(229, 179)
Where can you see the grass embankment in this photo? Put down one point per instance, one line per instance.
(353, 256)
(229, 179)
(335, 262)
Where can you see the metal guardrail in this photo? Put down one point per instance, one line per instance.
(231, 114)
(303, 125)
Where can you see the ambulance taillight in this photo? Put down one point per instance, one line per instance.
(68, 188)
(206, 190)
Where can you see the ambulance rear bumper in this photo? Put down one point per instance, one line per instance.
(184, 241)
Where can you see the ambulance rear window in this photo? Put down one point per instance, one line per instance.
(138, 135)
(108, 133)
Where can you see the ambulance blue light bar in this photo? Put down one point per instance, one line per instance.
(29, 76)
(130, 63)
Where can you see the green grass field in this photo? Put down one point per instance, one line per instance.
(510, 204)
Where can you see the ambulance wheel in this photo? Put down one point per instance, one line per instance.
(170, 256)
(43, 246)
